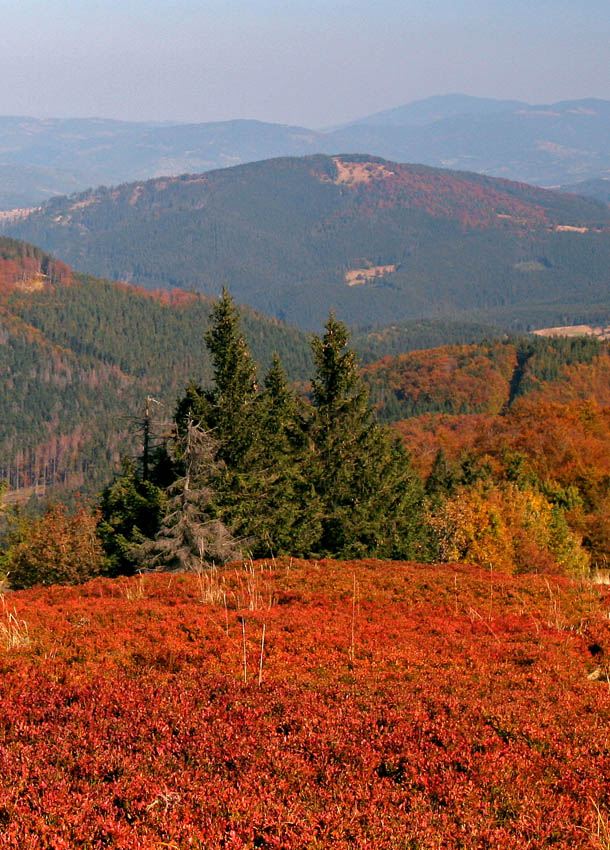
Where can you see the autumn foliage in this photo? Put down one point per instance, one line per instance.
(24, 267)
(60, 547)
(531, 474)
(399, 706)
(507, 528)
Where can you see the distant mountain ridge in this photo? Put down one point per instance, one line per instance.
(599, 189)
(437, 108)
(379, 241)
(542, 144)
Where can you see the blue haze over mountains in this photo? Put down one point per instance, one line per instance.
(551, 145)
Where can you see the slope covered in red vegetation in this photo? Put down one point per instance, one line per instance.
(24, 267)
(456, 378)
(399, 705)
(444, 194)
(532, 414)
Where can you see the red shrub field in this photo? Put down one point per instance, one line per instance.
(392, 706)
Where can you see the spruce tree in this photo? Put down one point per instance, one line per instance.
(130, 510)
(191, 535)
(371, 496)
(288, 521)
(231, 402)
(228, 410)
(441, 481)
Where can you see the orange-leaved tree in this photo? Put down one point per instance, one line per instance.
(57, 548)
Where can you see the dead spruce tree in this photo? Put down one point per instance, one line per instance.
(191, 537)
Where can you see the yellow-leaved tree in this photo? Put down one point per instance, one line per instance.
(514, 530)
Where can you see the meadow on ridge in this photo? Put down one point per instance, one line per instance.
(306, 704)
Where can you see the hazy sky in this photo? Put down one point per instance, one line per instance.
(293, 61)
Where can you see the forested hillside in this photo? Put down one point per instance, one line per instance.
(506, 464)
(489, 377)
(597, 188)
(373, 343)
(507, 439)
(493, 426)
(78, 356)
(379, 242)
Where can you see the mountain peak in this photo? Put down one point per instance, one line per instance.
(419, 113)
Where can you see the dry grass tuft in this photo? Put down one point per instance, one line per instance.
(135, 590)
(246, 587)
(14, 633)
(211, 586)
(601, 830)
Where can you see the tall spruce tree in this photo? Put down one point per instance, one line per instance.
(231, 401)
(288, 522)
(371, 495)
(229, 411)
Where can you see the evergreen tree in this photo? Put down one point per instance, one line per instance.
(441, 481)
(131, 509)
(288, 521)
(371, 496)
(441, 484)
(473, 468)
(231, 402)
(229, 411)
(191, 536)
(328, 481)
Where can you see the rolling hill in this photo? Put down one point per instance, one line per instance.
(599, 189)
(430, 110)
(542, 144)
(510, 416)
(490, 377)
(377, 241)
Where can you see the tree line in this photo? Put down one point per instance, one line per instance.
(250, 467)
(266, 469)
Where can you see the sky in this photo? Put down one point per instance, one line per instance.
(303, 62)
